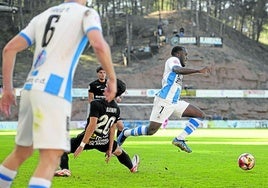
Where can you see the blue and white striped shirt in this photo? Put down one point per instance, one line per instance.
(171, 82)
(60, 36)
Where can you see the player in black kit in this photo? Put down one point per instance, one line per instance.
(96, 90)
(99, 134)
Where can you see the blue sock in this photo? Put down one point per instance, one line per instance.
(137, 131)
(190, 127)
(6, 176)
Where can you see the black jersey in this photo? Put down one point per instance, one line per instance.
(97, 88)
(107, 114)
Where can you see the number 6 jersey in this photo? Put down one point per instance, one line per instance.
(51, 71)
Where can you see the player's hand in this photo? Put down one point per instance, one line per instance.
(78, 151)
(118, 99)
(110, 90)
(108, 156)
(8, 99)
(206, 70)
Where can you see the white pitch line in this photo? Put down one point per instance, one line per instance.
(132, 142)
(225, 133)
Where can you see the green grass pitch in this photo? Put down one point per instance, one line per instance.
(212, 164)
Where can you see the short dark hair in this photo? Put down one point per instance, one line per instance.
(177, 49)
(121, 87)
(98, 69)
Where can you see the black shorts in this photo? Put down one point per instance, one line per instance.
(76, 141)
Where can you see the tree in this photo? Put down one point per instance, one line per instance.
(260, 18)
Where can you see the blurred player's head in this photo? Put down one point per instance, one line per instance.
(101, 74)
(82, 2)
(99, 68)
(181, 53)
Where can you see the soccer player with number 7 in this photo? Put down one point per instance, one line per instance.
(167, 101)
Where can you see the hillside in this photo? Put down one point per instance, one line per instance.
(239, 64)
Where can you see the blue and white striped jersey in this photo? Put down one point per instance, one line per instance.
(59, 35)
(171, 82)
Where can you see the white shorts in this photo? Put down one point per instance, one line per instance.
(44, 121)
(163, 109)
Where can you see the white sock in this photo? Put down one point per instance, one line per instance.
(189, 128)
(137, 131)
(182, 135)
(6, 176)
(39, 182)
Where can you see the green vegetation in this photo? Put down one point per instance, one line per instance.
(213, 163)
(264, 35)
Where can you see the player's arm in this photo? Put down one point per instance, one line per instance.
(185, 71)
(111, 142)
(90, 97)
(89, 132)
(10, 51)
(103, 53)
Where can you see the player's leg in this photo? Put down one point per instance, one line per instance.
(64, 170)
(161, 110)
(23, 149)
(126, 132)
(124, 158)
(8, 169)
(51, 136)
(120, 127)
(48, 162)
(64, 162)
(193, 123)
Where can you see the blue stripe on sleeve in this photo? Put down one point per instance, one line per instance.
(28, 40)
(93, 28)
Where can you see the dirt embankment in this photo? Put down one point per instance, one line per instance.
(239, 64)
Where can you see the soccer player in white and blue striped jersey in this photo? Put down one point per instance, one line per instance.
(59, 35)
(167, 101)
